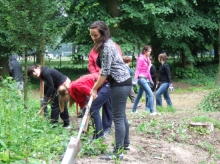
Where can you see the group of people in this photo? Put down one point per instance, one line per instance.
(110, 84)
(145, 76)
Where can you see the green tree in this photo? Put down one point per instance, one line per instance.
(29, 24)
(175, 26)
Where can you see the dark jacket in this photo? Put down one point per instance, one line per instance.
(165, 75)
(15, 69)
(53, 80)
(153, 74)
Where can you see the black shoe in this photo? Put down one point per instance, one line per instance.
(113, 156)
(125, 147)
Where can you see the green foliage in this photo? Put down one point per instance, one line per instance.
(24, 137)
(159, 23)
(185, 73)
(197, 76)
(168, 109)
(149, 127)
(211, 102)
(94, 147)
(208, 147)
(73, 73)
(200, 130)
(27, 24)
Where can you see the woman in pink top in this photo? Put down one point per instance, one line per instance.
(143, 78)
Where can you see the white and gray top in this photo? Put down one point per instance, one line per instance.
(112, 63)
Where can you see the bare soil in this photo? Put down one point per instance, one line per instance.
(170, 140)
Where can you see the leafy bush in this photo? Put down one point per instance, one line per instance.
(201, 76)
(25, 138)
(184, 73)
(211, 102)
(73, 72)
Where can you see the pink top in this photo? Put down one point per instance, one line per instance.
(143, 67)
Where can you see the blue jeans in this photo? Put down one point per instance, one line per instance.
(107, 110)
(119, 95)
(144, 86)
(163, 90)
(103, 97)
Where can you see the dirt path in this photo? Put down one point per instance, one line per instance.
(169, 141)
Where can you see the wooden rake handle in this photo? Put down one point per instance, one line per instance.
(42, 108)
(84, 120)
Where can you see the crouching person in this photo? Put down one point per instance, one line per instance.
(54, 80)
(79, 92)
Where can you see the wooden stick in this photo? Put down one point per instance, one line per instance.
(42, 108)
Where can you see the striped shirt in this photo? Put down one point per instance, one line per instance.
(112, 63)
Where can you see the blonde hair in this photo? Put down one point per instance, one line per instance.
(63, 93)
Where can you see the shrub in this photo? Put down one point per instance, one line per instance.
(211, 102)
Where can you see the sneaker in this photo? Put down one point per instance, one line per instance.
(107, 131)
(134, 112)
(68, 127)
(139, 105)
(127, 147)
(112, 156)
(154, 114)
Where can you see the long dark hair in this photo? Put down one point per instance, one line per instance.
(105, 34)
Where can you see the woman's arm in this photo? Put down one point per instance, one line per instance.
(97, 85)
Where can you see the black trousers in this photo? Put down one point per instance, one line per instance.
(55, 112)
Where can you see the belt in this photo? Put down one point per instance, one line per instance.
(66, 83)
(143, 77)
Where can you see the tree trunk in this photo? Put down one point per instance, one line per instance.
(156, 52)
(218, 77)
(112, 7)
(4, 65)
(185, 62)
(216, 51)
(25, 79)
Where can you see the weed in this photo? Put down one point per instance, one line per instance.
(150, 127)
(208, 147)
(211, 102)
(168, 109)
(92, 147)
(200, 130)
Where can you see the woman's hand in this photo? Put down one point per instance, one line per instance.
(93, 93)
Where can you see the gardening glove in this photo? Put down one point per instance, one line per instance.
(171, 88)
(134, 82)
(151, 83)
(44, 102)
